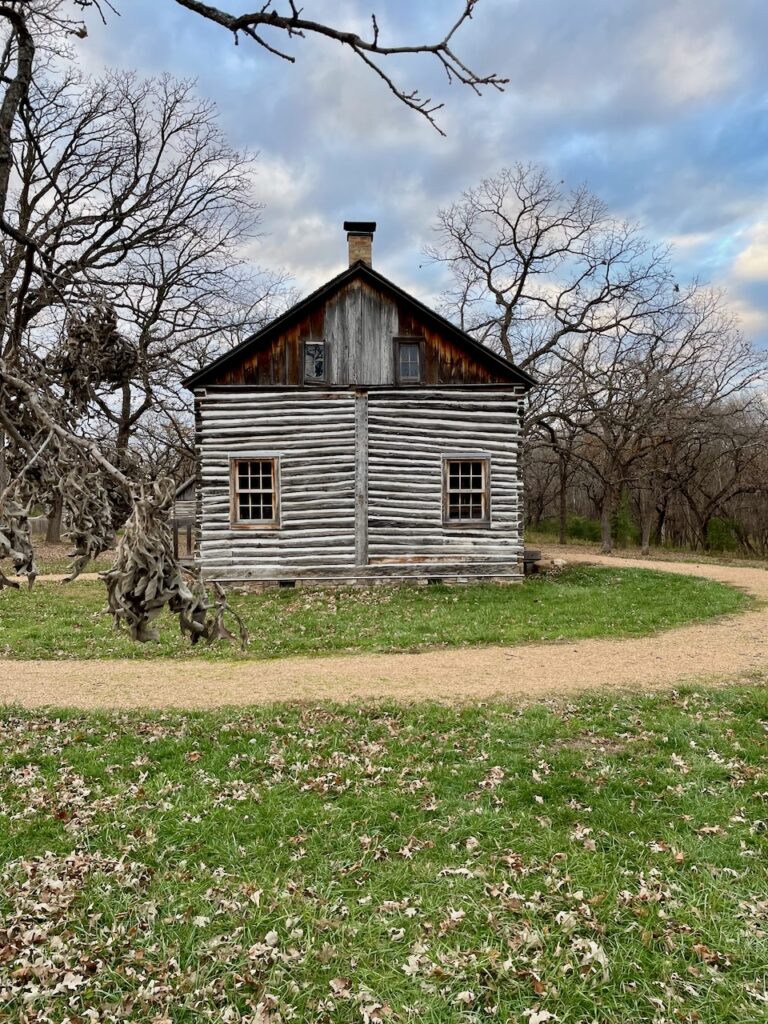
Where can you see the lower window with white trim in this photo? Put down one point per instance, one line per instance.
(467, 491)
(255, 492)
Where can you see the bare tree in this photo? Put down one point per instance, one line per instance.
(534, 264)
(634, 370)
(721, 462)
(142, 208)
(667, 413)
(540, 272)
(123, 213)
(649, 393)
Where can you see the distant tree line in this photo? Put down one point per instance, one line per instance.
(708, 494)
(651, 415)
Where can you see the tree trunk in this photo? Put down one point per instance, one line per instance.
(5, 476)
(606, 525)
(661, 522)
(124, 425)
(703, 523)
(645, 539)
(563, 508)
(743, 538)
(16, 91)
(53, 533)
(646, 522)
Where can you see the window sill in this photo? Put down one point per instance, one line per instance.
(254, 526)
(477, 524)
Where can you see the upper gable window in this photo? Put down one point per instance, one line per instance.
(409, 360)
(315, 365)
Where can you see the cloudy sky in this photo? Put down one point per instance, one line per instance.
(660, 106)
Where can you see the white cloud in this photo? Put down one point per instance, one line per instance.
(309, 246)
(279, 184)
(751, 264)
(687, 57)
(659, 106)
(692, 240)
(753, 319)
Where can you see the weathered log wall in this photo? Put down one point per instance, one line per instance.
(409, 434)
(313, 434)
(184, 509)
(360, 481)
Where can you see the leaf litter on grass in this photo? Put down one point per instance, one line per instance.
(599, 860)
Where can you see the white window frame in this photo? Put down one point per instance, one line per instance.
(485, 491)
(234, 491)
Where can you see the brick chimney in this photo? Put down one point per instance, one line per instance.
(360, 239)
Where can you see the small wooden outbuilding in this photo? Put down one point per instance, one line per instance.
(184, 516)
(360, 436)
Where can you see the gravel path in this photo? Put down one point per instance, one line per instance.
(734, 646)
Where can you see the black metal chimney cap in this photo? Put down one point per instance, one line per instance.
(360, 227)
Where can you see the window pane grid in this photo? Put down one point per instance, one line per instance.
(255, 490)
(409, 356)
(467, 491)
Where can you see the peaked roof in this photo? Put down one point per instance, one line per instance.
(361, 270)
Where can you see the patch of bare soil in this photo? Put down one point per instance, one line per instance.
(587, 551)
(735, 647)
(588, 744)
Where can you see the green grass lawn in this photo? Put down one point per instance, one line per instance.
(604, 860)
(56, 558)
(56, 620)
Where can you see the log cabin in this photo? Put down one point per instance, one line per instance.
(359, 437)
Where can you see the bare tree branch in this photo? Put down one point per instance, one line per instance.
(367, 50)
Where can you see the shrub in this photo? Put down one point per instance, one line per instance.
(577, 528)
(625, 531)
(581, 528)
(722, 534)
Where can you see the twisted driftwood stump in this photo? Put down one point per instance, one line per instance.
(146, 577)
(16, 543)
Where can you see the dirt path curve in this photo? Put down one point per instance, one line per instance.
(734, 646)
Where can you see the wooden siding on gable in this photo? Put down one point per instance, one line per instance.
(444, 361)
(358, 324)
(375, 349)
